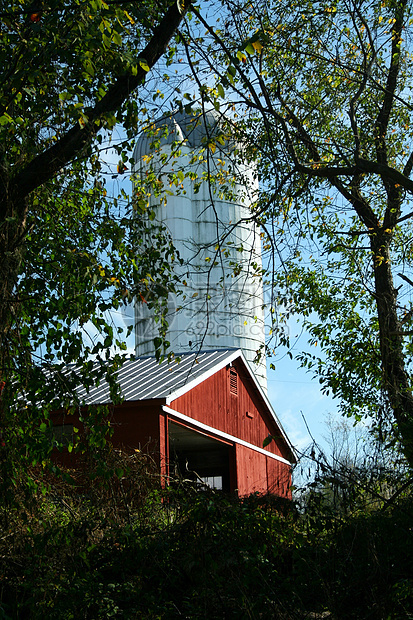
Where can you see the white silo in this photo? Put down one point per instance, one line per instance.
(207, 213)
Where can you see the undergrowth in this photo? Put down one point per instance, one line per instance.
(125, 548)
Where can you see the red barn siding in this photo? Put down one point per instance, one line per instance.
(242, 415)
(135, 425)
(143, 425)
(251, 471)
(257, 473)
(138, 425)
(279, 478)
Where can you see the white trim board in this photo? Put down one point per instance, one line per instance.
(214, 431)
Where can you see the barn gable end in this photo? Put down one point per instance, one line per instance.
(229, 407)
(242, 414)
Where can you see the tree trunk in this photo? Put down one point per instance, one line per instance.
(13, 219)
(396, 379)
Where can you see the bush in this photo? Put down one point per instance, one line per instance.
(126, 548)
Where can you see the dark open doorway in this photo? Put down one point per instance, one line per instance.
(199, 457)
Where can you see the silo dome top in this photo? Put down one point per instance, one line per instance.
(194, 129)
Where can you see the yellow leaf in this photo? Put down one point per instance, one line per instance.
(257, 46)
(144, 65)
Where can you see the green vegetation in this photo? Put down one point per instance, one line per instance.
(128, 549)
(70, 249)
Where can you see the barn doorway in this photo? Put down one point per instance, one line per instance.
(196, 456)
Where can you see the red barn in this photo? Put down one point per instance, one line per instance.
(205, 416)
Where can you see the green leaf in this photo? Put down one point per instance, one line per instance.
(143, 64)
(267, 441)
(116, 38)
(5, 119)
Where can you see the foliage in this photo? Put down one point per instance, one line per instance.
(143, 552)
(71, 247)
(356, 474)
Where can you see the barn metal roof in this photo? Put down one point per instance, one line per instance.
(145, 378)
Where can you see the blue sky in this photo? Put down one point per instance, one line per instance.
(295, 395)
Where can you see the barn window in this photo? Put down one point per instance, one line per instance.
(213, 482)
(233, 381)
